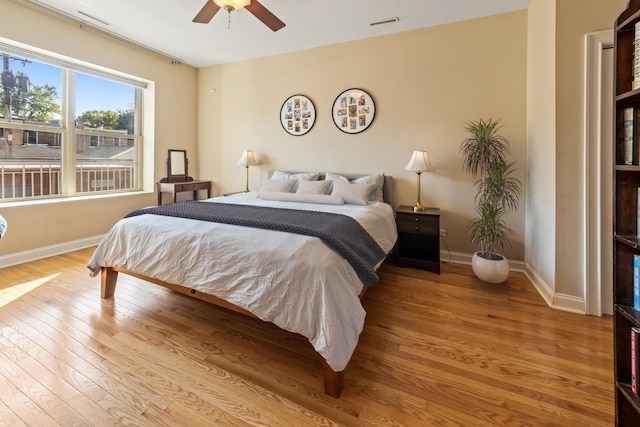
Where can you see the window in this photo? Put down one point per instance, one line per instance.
(66, 129)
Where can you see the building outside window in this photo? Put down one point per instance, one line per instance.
(67, 129)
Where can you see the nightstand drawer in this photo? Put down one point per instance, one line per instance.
(429, 228)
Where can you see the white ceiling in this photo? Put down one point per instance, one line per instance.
(166, 25)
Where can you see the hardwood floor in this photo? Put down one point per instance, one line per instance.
(435, 350)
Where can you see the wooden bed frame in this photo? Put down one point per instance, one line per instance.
(333, 381)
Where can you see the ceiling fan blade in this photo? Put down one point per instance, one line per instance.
(207, 12)
(263, 14)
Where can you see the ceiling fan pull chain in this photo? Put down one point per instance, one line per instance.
(229, 19)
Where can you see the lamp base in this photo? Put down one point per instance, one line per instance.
(419, 208)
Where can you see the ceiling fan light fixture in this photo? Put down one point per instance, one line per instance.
(232, 4)
(211, 8)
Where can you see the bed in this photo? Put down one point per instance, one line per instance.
(310, 284)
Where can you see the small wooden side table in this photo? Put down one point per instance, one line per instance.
(174, 188)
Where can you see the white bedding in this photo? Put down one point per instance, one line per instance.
(294, 281)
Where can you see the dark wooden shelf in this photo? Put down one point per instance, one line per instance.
(633, 241)
(626, 391)
(628, 21)
(633, 316)
(628, 168)
(627, 95)
(625, 204)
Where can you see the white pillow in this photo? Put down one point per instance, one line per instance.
(313, 187)
(278, 185)
(306, 176)
(377, 179)
(325, 199)
(355, 194)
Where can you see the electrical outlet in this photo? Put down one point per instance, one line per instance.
(443, 233)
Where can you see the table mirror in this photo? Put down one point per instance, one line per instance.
(177, 166)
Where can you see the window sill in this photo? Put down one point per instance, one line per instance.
(47, 201)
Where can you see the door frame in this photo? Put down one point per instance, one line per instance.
(595, 43)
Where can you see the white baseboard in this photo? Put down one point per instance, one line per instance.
(556, 301)
(569, 303)
(48, 251)
(464, 258)
(541, 286)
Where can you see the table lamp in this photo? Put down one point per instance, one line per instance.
(247, 160)
(419, 163)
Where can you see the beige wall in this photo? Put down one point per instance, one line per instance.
(426, 85)
(38, 225)
(575, 18)
(541, 141)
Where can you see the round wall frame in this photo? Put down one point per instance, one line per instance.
(297, 115)
(353, 110)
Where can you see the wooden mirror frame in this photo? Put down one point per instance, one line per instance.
(177, 166)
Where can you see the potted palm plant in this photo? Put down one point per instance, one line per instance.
(485, 154)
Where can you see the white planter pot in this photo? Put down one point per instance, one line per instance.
(490, 271)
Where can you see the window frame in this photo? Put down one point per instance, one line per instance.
(143, 123)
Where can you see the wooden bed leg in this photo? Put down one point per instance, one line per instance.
(108, 278)
(333, 381)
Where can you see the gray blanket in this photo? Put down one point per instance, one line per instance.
(342, 233)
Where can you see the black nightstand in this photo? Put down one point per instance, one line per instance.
(418, 238)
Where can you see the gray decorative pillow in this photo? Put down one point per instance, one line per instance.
(355, 194)
(313, 187)
(305, 176)
(278, 185)
(377, 179)
(335, 177)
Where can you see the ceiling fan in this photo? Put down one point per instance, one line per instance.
(211, 7)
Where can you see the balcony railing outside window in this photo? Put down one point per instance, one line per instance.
(29, 181)
(29, 170)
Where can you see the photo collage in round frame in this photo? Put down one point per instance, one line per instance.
(297, 115)
(353, 110)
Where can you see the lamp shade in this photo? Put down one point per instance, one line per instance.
(247, 159)
(419, 162)
(235, 4)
